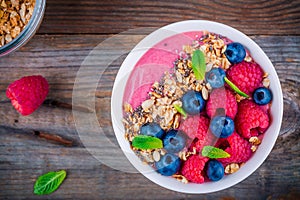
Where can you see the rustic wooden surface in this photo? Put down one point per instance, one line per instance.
(70, 30)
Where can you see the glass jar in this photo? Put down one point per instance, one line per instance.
(28, 31)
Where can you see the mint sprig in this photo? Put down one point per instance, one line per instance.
(49, 182)
(213, 152)
(180, 110)
(146, 142)
(235, 88)
(198, 64)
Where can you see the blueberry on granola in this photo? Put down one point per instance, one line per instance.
(152, 129)
(235, 52)
(174, 141)
(168, 165)
(193, 102)
(222, 126)
(215, 77)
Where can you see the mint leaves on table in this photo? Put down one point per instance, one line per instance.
(146, 142)
(235, 88)
(49, 182)
(199, 64)
(180, 110)
(213, 152)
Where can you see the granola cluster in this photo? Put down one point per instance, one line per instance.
(213, 46)
(14, 16)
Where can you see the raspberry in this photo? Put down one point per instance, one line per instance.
(219, 100)
(238, 148)
(246, 76)
(192, 169)
(208, 140)
(251, 119)
(195, 126)
(28, 93)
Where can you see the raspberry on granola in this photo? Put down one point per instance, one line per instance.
(221, 100)
(192, 169)
(238, 148)
(247, 76)
(251, 119)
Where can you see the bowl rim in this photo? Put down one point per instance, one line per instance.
(185, 26)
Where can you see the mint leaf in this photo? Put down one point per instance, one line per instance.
(180, 110)
(146, 142)
(49, 182)
(198, 64)
(235, 88)
(213, 152)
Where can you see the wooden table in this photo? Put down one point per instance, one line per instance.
(70, 30)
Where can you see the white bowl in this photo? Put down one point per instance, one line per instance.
(276, 109)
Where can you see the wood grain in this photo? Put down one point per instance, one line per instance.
(276, 17)
(23, 156)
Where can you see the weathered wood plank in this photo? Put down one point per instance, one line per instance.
(275, 17)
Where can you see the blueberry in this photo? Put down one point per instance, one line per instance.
(262, 96)
(174, 141)
(193, 102)
(215, 170)
(152, 129)
(235, 52)
(215, 77)
(168, 165)
(222, 126)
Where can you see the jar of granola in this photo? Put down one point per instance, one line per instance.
(19, 21)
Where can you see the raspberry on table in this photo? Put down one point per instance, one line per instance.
(238, 148)
(195, 126)
(28, 93)
(251, 119)
(192, 169)
(247, 76)
(219, 100)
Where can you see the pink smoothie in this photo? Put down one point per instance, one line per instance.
(152, 65)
